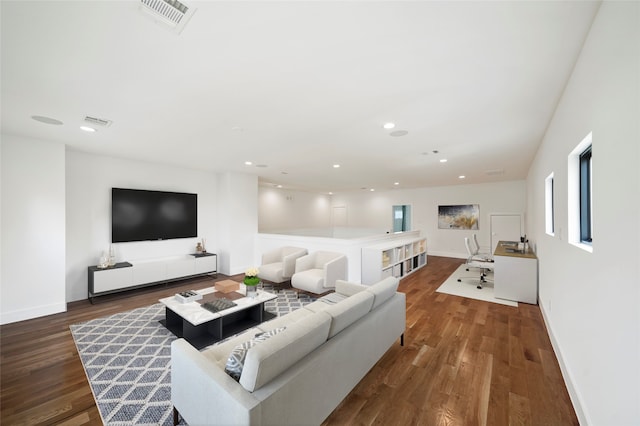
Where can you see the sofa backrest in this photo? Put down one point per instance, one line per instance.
(383, 290)
(272, 357)
(349, 311)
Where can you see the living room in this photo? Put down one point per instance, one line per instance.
(55, 218)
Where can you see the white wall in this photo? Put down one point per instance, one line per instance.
(238, 222)
(33, 229)
(89, 179)
(282, 209)
(591, 301)
(373, 210)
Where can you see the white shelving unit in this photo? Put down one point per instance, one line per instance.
(394, 258)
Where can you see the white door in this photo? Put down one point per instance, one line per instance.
(505, 227)
(339, 216)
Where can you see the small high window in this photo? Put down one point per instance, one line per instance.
(580, 195)
(586, 225)
(548, 205)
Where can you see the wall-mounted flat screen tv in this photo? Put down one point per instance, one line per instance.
(140, 215)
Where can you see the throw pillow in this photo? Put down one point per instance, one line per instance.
(235, 363)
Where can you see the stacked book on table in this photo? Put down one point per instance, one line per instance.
(188, 296)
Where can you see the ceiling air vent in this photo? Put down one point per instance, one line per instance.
(97, 121)
(171, 13)
(494, 172)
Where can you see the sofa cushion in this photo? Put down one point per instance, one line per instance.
(236, 360)
(285, 320)
(324, 302)
(348, 311)
(272, 272)
(310, 280)
(269, 359)
(383, 290)
(349, 289)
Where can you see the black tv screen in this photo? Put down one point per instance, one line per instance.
(140, 215)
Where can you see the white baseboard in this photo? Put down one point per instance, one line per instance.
(446, 254)
(35, 312)
(574, 395)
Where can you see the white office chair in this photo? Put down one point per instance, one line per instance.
(485, 254)
(480, 262)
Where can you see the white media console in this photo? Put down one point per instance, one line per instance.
(134, 274)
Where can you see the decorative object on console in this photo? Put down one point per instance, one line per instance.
(104, 261)
(112, 256)
(199, 248)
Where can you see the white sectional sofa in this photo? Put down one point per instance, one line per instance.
(299, 375)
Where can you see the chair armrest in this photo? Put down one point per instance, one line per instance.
(334, 270)
(289, 262)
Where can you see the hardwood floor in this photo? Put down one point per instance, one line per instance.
(465, 362)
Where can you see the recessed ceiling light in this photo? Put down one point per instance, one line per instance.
(279, 186)
(248, 163)
(336, 166)
(397, 133)
(372, 190)
(396, 183)
(443, 160)
(46, 120)
(87, 129)
(461, 177)
(389, 125)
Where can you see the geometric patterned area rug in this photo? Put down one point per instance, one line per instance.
(127, 360)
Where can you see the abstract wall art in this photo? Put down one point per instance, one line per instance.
(462, 216)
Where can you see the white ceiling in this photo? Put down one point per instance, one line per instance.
(298, 86)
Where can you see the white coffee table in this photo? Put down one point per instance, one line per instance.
(201, 327)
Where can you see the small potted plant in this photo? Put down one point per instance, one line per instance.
(251, 280)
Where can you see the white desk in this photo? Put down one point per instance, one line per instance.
(515, 274)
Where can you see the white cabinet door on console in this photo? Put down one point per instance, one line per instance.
(206, 264)
(149, 272)
(180, 268)
(112, 279)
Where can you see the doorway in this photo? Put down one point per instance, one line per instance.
(401, 218)
(505, 227)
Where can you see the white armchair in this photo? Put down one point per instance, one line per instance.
(317, 272)
(278, 265)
